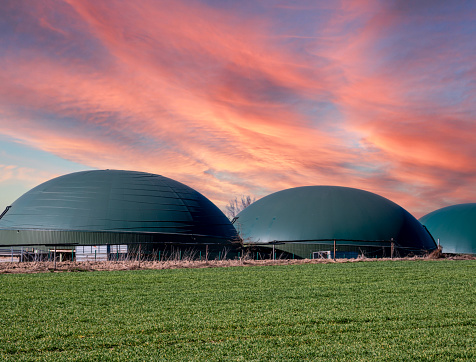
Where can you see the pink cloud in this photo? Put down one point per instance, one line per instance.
(216, 100)
(403, 109)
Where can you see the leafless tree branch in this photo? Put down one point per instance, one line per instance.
(236, 205)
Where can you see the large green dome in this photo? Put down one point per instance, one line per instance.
(111, 206)
(455, 227)
(321, 214)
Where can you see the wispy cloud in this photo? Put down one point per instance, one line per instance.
(249, 99)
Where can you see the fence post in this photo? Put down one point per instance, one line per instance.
(334, 249)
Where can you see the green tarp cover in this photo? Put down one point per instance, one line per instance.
(455, 226)
(324, 213)
(113, 201)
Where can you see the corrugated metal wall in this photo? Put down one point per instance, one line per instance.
(60, 237)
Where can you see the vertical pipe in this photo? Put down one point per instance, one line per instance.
(139, 253)
(334, 249)
(206, 252)
(200, 255)
(274, 255)
(219, 255)
(54, 257)
(159, 255)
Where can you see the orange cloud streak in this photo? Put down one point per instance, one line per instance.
(219, 102)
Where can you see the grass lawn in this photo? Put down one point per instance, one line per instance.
(389, 310)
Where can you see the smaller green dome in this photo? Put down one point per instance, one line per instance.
(455, 227)
(319, 214)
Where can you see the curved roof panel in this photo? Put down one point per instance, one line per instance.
(117, 201)
(455, 227)
(325, 213)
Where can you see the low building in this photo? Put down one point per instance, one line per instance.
(112, 207)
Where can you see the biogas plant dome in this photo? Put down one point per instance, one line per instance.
(454, 227)
(113, 207)
(359, 222)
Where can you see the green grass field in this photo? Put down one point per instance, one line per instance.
(393, 310)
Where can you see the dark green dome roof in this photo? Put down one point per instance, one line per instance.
(326, 213)
(455, 226)
(115, 201)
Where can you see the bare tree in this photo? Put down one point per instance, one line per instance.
(235, 206)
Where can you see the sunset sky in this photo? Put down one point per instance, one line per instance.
(243, 97)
